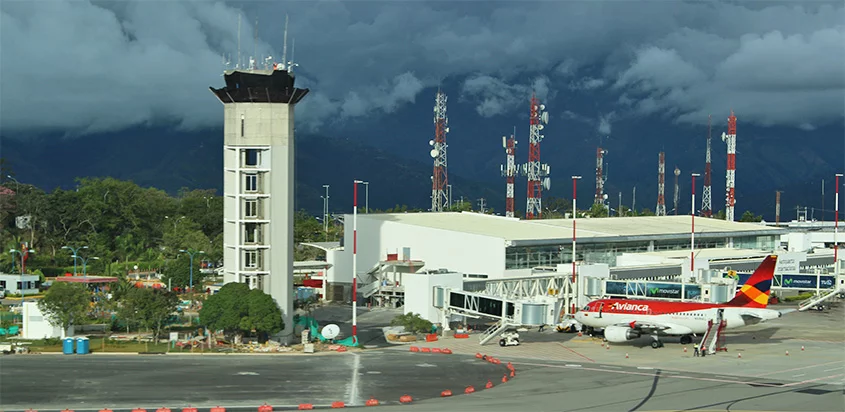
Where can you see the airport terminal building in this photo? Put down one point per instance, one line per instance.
(496, 247)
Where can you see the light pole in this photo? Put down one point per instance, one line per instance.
(175, 221)
(23, 256)
(574, 215)
(692, 228)
(355, 258)
(326, 212)
(85, 264)
(191, 253)
(75, 256)
(366, 197)
(836, 228)
(450, 196)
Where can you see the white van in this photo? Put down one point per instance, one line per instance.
(2, 292)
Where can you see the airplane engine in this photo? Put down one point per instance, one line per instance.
(620, 334)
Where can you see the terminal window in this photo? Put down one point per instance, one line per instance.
(251, 157)
(251, 208)
(251, 184)
(251, 259)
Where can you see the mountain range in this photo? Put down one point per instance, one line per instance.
(392, 154)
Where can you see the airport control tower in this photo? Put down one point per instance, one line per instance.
(258, 180)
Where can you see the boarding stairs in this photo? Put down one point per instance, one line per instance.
(493, 331)
(714, 340)
(819, 298)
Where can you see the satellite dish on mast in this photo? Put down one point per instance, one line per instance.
(547, 183)
(330, 331)
(540, 127)
(504, 141)
(433, 153)
(542, 107)
(545, 117)
(431, 142)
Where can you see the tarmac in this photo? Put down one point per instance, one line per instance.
(554, 372)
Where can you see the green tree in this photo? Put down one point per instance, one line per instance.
(65, 304)
(412, 322)
(227, 310)
(148, 308)
(177, 272)
(749, 216)
(597, 210)
(264, 315)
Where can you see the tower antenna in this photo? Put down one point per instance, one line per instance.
(285, 46)
(509, 170)
(537, 172)
(730, 177)
(291, 64)
(238, 65)
(440, 178)
(601, 177)
(706, 198)
(254, 58)
(677, 197)
(661, 185)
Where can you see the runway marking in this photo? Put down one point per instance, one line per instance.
(795, 369)
(247, 373)
(645, 367)
(697, 378)
(833, 369)
(561, 345)
(610, 367)
(813, 380)
(426, 365)
(374, 372)
(572, 365)
(801, 374)
(353, 390)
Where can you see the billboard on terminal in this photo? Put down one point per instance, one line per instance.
(692, 291)
(615, 287)
(806, 281)
(663, 290)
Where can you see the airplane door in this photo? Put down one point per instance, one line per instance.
(601, 306)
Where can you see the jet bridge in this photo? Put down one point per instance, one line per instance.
(507, 312)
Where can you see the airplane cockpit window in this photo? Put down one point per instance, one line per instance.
(586, 308)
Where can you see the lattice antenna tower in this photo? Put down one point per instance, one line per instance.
(537, 172)
(730, 177)
(677, 190)
(706, 197)
(601, 176)
(661, 185)
(509, 170)
(440, 178)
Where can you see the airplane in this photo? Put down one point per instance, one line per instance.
(626, 319)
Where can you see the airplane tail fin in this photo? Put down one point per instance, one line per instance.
(755, 292)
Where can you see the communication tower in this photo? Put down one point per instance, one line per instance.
(677, 190)
(661, 175)
(509, 170)
(537, 173)
(706, 198)
(440, 179)
(600, 176)
(730, 176)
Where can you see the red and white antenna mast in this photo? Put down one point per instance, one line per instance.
(537, 173)
(730, 177)
(509, 170)
(661, 186)
(706, 198)
(440, 179)
(600, 177)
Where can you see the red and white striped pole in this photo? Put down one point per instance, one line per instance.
(355, 257)
(836, 227)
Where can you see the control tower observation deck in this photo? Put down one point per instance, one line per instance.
(258, 182)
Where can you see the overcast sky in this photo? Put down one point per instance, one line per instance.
(86, 66)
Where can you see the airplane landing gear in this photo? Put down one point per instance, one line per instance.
(656, 343)
(686, 340)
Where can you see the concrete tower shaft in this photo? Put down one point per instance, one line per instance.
(258, 183)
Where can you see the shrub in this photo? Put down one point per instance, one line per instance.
(412, 322)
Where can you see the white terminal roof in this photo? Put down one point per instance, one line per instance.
(589, 230)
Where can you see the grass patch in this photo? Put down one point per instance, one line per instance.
(111, 346)
(802, 296)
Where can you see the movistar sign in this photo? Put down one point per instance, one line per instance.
(806, 281)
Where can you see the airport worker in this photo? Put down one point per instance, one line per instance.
(695, 350)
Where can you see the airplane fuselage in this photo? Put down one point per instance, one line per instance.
(679, 318)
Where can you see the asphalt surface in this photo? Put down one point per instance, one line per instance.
(50, 382)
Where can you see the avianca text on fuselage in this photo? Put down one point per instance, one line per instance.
(629, 307)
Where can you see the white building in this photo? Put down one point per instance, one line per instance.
(14, 283)
(37, 326)
(258, 182)
(498, 247)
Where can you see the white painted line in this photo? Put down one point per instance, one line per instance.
(671, 373)
(833, 369)
(610, 367)
(725, 377)
(645, 367)
(572, 365)
(800, 374)
(353, 384)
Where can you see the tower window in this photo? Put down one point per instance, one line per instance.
(251, 233)
(251, 259)
(251, 183)
(251, 157)
(251, 208)
(242, 126)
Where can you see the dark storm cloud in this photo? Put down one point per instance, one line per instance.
(83, 66)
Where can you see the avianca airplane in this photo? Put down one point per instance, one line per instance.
(624, 319)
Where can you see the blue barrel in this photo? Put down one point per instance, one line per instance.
(82, 346)
(67, 346)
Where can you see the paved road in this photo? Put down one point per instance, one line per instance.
(129, 381)
(241, 382)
